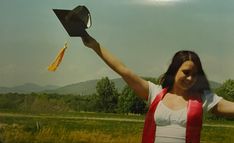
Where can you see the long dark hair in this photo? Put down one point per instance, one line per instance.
(179, 58)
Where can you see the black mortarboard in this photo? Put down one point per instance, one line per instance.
(74, 21)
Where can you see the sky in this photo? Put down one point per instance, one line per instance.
(143, 34)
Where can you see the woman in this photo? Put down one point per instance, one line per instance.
(177, 105)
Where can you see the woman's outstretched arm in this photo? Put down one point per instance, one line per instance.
(224, 108)
(139, 85)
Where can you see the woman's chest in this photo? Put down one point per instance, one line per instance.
(174, 102)
(165, 116)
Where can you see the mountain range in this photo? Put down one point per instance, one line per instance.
(27, 88)
(81, 88)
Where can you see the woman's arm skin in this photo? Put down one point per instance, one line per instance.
(224, 108)
(139, 85)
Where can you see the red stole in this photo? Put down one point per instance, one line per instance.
(194, 120)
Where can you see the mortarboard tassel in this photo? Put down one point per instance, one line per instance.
(58, 59)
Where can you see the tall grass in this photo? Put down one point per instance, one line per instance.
(50, 129)
(61, 135)
(217, 135)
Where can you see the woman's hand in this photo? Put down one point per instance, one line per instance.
(90, 42)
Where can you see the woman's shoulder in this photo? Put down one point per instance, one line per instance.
(209, 94)
(154, 89)
(154, 86)
(210, 99)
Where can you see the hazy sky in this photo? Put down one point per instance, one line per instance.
(144, 34)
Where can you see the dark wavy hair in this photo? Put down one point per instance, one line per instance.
(179, 58)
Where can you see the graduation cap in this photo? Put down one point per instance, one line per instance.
(75, 21)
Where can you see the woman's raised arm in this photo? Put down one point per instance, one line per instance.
(139, 85)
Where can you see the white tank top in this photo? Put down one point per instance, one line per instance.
(171, 125)
(173, 128)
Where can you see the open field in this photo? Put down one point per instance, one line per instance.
(91, 128)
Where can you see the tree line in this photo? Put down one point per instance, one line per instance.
(106, 99)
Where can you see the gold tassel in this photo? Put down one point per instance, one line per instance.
(58, 59)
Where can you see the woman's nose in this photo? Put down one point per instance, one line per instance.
(189, 78)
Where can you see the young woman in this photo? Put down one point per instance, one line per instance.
(177, 105)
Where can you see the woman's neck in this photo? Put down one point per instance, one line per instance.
(180, 92)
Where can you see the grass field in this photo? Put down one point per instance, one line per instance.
(89, 128)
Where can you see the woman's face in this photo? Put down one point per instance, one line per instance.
(186, 76)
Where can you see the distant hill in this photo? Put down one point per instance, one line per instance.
(214, 84)
(89, 87)
(27, 88)
(85, 88)
(81, 88)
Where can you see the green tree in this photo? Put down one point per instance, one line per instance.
(130, 102)
(226, 90)
(11, 101)
(92, 103)
(107, 95)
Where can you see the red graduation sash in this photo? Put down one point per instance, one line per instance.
(193, 125)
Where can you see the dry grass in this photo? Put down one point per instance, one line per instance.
(16, 134)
